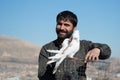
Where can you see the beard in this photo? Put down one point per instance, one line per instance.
(62, 34)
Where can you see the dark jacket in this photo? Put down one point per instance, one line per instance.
(69, 69)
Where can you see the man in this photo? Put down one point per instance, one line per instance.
(69, 69)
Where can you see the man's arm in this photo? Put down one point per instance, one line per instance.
(42, 62)
(98, 51)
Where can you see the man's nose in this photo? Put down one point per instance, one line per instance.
(62, 27)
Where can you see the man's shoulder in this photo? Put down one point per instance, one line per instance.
(49, 44)
(85, 41)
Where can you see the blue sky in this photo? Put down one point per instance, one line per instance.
(35, 20)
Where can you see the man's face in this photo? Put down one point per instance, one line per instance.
(64, 29)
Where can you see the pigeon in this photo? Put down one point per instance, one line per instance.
(74, 46)
(58, 52)
(68, 50)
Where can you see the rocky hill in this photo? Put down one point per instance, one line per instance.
(19, 61)
(17, 50)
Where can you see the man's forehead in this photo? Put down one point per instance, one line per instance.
(64, 21)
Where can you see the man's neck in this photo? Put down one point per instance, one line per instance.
(60, 40)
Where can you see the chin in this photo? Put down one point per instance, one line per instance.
(61, 36)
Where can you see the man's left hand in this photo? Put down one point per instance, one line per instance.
(92, 55)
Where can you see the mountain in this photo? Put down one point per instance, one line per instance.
(17, 50)
(18, 59)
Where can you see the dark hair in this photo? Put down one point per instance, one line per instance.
(67, 15)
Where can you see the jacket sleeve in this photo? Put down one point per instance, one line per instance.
(42, 62)
(105, 51)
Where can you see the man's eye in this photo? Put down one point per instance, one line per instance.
(67, 25)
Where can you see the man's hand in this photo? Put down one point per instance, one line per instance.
(92, 55)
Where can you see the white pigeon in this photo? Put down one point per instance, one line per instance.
(58, 52)
(74, 45)
(68, 51)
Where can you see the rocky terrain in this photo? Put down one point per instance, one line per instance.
(104, 70)
(19, 61)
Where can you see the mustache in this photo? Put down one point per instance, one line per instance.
(62, 31)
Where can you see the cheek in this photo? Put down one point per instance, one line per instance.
(70, 30)
(57, 27)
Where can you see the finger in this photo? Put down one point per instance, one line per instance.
(93, 58)
(97, 58)
(87, 56)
